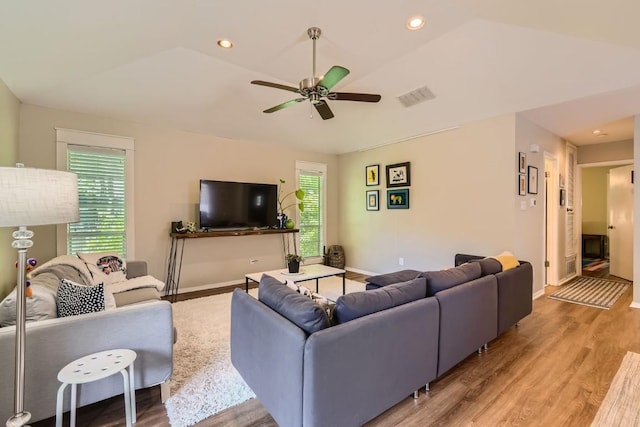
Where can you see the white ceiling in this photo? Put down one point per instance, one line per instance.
(570, 66)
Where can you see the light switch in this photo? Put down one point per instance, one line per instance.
(532, 202)
(523, 205)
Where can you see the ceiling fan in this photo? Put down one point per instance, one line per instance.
(318, 89)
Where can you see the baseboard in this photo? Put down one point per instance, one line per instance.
(210, 286)
(635, 304)
(538, 294)
(357, 270)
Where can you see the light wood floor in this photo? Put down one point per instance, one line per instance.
(553, 370)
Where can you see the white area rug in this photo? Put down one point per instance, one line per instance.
(204, 382)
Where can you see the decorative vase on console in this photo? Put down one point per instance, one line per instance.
(281, 220)
(293, 198)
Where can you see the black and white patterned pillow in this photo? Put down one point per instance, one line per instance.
(74, 298)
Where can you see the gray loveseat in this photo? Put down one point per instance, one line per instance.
(144, 326)
(383, 344)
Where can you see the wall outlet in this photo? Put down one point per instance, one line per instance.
(252, 261)
(400, 261)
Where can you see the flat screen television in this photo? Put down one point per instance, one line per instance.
(237, 205)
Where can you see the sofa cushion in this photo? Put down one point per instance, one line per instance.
(507, 260)
(297, 308)
(106, 267)
(358, 304)
(445, 279)
(380, 280)
(488, 266)
(74, 299)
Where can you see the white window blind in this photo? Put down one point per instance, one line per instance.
(102, 197)
(311, 220)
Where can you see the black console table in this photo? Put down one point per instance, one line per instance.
(174, 264)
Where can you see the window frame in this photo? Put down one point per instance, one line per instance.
(320, 169)
(66, 137)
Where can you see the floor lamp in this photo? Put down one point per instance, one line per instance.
(31, 197)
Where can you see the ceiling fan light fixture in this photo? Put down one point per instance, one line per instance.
(225, 43)
(415, 22)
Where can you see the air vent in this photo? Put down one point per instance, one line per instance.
(416, 96)
(570, 266)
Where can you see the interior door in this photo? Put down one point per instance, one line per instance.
(620, 221)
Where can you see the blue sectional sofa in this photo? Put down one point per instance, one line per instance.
(379, 347)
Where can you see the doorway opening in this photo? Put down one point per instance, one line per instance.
(606, 220)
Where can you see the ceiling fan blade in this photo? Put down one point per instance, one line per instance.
(349, 96)
(324, 110)
(284, 105)
(275, 85)
(333, 76)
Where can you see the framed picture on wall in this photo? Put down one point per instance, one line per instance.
(373, 175)
(399, 175)
(522, 185)
(533, 180)
(373, 200)
(522, 162)
(398, 199)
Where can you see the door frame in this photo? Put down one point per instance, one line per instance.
(550, 222)
(578, 194)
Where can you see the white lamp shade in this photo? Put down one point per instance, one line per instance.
(37, 197)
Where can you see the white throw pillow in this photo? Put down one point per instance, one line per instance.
(105, 267)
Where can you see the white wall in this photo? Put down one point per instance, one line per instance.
(9, 125)
(168, 166)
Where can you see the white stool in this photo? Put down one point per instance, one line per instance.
(96, 367)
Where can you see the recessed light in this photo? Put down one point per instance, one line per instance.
(415, 23)
(225, 44)
(597, 132)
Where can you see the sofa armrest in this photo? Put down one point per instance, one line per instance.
(146, 328)
(515, 295)
(464, 258)
(136, 269)
(267, 351)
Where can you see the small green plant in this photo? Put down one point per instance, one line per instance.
(282, 199)
(293, 257)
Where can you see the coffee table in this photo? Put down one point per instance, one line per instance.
(308, 272)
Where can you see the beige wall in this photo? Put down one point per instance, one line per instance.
(594, 200)
(530, 222)
(461, 199)
(168, 167)
(612, 151)
(9, 126)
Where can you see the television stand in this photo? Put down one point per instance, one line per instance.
(174, 264)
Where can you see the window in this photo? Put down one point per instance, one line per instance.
(311, 179)
(104, 166)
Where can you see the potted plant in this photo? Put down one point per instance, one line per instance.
(293, 262)
(283, 220)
